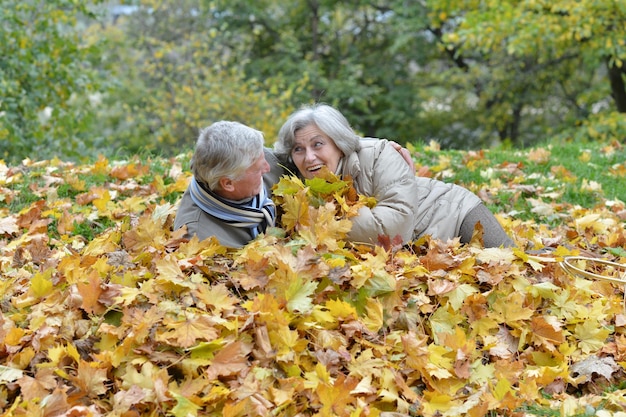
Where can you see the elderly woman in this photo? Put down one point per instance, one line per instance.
(319, 136)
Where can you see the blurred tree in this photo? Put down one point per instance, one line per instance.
(466, 73)
(463, 72)
(177, 70)
(349, 51)
(566, 62)
(47, 83)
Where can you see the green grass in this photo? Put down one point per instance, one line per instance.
(511, 178)
(567, 176)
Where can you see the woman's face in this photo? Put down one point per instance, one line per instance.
(312, 150)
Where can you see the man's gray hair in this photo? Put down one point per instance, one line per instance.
(328, 119)
(225, 149)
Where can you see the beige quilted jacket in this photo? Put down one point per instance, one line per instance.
(407, 205)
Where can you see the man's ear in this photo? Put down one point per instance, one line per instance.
(226, 184)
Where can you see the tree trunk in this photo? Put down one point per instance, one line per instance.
(618, 89)
(314, 7)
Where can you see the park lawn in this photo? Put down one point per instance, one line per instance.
(107, 311)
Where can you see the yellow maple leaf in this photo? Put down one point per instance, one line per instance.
(41, 284)
(148, 233)
(217, 297)
(101, 166)
(299, 294)
(295, 211)
(133, 204)
(335, 398)
(597, 222)
(591, 335)
(102, 202)
(435, 403)
(457, 296)
(206, 248)
(444, 320)
(170, 276)
(440, 361)
(103, 243)
(286, 342)
(502, 388)
(327, 228)
(181, 184)
(187, 332)
(370, 266)
(341, 310)
(184, 406)
(373, 319)
(511, 308)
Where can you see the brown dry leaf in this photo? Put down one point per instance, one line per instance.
(539, 155)
(230, 360)
(39, 386)
(8, 225)
(547, 329)
(90, 378)
(439, 257)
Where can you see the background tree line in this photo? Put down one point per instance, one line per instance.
(80, 78)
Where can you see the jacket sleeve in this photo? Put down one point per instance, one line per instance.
(387, 177)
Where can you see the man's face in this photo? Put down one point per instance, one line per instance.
(251, 182)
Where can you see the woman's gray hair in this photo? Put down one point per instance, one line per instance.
(328, 119)
(225, 149)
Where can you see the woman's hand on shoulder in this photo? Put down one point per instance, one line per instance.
(404, 152)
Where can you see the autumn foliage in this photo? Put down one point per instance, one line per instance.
(137, 321)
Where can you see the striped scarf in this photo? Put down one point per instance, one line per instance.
(256, 214)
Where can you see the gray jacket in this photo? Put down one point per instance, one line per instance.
(204, 225)
(407, 205)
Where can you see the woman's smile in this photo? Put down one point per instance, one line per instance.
(313, 150)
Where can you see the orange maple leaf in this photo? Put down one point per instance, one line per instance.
(90, 379)
(336, 397)
(91, 290)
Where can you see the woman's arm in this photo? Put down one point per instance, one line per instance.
(386, 176)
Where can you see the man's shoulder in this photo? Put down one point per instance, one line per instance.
(204, 225)
(187, 211)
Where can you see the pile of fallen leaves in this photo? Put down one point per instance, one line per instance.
(141, 322)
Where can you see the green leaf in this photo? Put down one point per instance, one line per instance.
(298, 295)
(184, 407)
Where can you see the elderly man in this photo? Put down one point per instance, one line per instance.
(229, 194)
